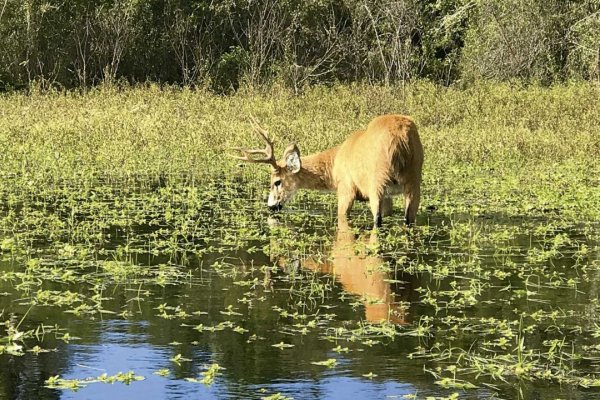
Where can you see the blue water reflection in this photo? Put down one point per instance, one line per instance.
(120, 351)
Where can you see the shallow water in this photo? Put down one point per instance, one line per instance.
(181, 279)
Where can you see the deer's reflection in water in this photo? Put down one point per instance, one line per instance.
(355, 263)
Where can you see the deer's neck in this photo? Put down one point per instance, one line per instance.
(317, 170)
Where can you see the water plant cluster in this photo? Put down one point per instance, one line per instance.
(123, 226)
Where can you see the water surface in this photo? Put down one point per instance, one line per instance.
(181, 279)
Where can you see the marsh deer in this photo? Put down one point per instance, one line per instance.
(374, 164)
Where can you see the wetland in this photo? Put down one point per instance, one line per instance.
(137, 260)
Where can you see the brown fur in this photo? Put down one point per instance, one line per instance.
(372, 164)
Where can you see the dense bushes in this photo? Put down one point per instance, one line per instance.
(229, 43)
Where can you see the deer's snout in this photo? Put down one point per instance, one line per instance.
(275, 207)
(274, 202)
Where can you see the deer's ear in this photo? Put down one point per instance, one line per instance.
(291, 155)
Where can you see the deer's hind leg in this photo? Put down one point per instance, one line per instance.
(375, 205)
(412, 198)
(379, 204)
(386, 206)
(345, 201)
(380, 197)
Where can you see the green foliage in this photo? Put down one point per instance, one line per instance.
(531, 40)
(150, 134)
(229, 44)
(56, 382)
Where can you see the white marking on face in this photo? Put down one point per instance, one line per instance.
(272, 202)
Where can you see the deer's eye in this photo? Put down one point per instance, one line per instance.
(277, 183)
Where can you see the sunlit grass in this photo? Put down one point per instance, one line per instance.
(518, 149)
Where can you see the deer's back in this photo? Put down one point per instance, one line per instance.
(389, 150)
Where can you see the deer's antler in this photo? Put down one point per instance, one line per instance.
(267, 151)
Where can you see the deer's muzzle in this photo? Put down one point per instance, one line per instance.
(276, 207)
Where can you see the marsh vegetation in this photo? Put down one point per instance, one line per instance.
(136, 259)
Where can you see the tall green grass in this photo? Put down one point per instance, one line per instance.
(485, 143)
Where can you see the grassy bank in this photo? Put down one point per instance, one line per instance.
(498, 144)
